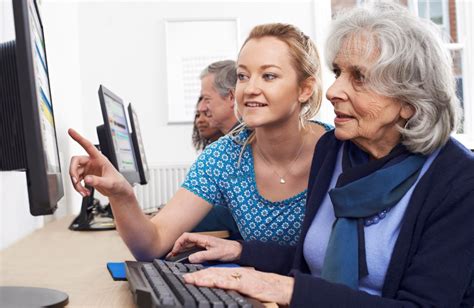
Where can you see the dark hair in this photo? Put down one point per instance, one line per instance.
(199, 142)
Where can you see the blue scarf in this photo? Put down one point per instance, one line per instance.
(364, 188)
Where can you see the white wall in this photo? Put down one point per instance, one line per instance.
(7, 31)
(15, 218)
(122, 45)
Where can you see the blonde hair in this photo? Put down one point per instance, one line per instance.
(305, 60)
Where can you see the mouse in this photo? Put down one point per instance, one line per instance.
(182, 257)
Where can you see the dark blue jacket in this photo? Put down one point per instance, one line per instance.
(432, 264)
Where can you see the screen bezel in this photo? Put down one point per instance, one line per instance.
(131, 176)
(44, 189)
(142, 166)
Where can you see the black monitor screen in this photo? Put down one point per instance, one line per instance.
(120, 135)
(114, 135)
(43, 93)
(27, 123)
(139, 147)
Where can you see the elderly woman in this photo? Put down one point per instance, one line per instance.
(390, 216)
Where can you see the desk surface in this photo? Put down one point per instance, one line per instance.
(70, 261)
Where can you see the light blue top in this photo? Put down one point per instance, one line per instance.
(380, 237)
(217, 178)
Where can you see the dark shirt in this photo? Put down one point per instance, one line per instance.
(433, 259)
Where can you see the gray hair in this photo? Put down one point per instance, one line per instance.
(225, 76)
(413, 67)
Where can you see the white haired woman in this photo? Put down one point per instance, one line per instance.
(389, 218)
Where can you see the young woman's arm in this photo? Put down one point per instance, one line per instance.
(146, 238)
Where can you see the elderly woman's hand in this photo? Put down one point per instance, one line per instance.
(96, 171)
(216, 248)
(265, 287)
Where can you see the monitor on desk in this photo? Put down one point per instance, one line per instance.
(28, 133)
(27, 123)
(114, 136)
(137, 139)
(115, 142)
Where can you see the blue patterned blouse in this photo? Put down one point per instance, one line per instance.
(217, 178)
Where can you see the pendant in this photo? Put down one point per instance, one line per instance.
(282, 181)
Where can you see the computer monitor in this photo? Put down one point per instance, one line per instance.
(114, 136)
(126, 152)
(28, 134)
(29, 140)
(115, 142)
(138, 146)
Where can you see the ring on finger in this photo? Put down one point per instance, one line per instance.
(236, 276)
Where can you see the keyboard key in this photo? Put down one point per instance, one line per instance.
(239, 299)
(150, 269)
(181, 267)
(161, 266)
(222, 294)
(213, 298)
(179, 289)
(195, 293)
(204, 304)
(194, 267)
(162, 291)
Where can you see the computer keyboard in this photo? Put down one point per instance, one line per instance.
(160, 284)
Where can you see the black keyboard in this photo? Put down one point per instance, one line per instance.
(160, 284)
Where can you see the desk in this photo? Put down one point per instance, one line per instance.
(70, 261)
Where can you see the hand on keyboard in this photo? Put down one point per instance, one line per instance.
(265, 287)
(161, 284)
(216, 249)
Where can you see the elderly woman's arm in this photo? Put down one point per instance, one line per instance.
(437, 275)
(267, 257)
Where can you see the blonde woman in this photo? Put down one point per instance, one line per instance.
(260, 173)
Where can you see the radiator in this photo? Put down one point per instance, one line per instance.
(163, 183)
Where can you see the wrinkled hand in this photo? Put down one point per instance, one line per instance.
(216, 248)
(265, 287)
(96, 171)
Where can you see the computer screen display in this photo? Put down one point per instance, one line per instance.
(114, 136)
(27, 124)
(120, 135)
(43, 93)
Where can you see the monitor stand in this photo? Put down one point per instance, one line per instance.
(32, 297)
(92, 216)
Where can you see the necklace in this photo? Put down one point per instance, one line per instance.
(282, 177)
